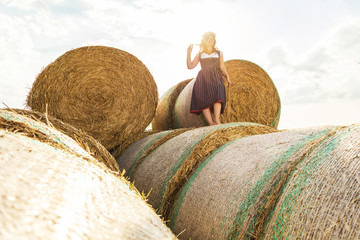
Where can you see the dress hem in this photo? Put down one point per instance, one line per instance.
(197, 112)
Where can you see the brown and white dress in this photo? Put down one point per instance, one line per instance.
(209, 85)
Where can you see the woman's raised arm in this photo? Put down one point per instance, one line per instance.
(191, 64)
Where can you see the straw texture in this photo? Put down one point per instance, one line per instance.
(127, 158)
(104, 91)
(293, 184)
(116, 151)
(220, 198)
(42, 127)
(320, 200)
(165, 113)
(49, 193)
(204, 149)
(252, 97)
(182, 116)
(154, 145)
(161, 164)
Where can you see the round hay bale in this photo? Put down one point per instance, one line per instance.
(116, 151)
(48, 193)
(164, 116)
(127, 158)
(218, 200)
(104, 91)
(252, 97)
(260, 186)
(182, 115)
(159, 167)
(320, 199)
(43, 127)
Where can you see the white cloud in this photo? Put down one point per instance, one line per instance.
(31, 5)
(27, 43)
(333, 112)
(330, 70)
(282, 37)
(17, 60)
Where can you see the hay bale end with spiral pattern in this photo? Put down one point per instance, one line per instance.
(251, 97)
(104, 91)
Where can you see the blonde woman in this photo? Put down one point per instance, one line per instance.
(209, 89)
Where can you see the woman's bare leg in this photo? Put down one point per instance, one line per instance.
(207, 115)
(217, 110)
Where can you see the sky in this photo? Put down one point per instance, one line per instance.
(309, 48)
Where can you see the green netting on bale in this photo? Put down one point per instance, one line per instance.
(51, 134)
(142, 151)
(184, 191)
(179, 200)
(164, 122)
(187, 153)
(300, 180)
(176, 166)
(167, 113)
(149, 148)
(237, 228)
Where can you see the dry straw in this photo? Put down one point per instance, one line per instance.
(29, 123)
(154, 145)
(297, 184)
(116, 151)
(321, 198)
(165, 113)
(161, 164)
(232, 193)
(182, 115)
(128, 157)
(252, 97)
(267, 199)
(49, 193)
(104, 91)
(204, 149)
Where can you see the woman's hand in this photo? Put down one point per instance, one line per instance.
(228, 80)
(191, 64)
(189, 50)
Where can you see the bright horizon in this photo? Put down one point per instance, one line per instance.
(310, 49)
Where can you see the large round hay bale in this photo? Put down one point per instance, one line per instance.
(296, 184)
(104, 91)
(320, 199)
(153, 167)
(220, 197)
(49, 129)
(164, 116)
(252, 97)
(182, 115)
(49, 193)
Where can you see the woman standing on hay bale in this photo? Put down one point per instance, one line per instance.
(209, 89)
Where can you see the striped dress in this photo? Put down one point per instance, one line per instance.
(209, 85)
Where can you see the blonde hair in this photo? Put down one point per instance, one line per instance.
(203, 43)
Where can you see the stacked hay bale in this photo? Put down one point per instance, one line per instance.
(252, 97)
(320, 199)
(165, 113)
(104, 91)
(88, 143)
(300, 183)
(162, 167)
(51, 188)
